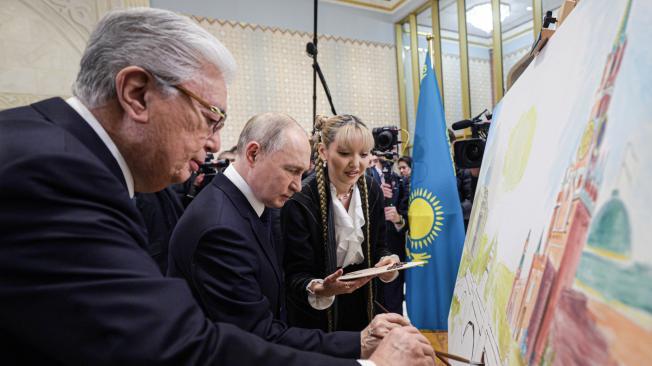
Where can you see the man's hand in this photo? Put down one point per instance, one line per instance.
(333, 286)
(404, 346)
(379, 327)
(198, 180)
(392, 215)
(387, 190)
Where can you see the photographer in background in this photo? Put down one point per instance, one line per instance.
(189, 189)
(229, 154)
(396, 193)
(468, 158)
(405, 168)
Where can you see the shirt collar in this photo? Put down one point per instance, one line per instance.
(81, 109)
(235, 178)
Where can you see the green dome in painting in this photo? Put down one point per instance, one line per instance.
(610, 229)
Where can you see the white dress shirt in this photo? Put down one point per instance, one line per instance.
(231, 174)
(81, 109)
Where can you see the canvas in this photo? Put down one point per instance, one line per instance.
(557, 263)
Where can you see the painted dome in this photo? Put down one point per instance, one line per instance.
(610, 229)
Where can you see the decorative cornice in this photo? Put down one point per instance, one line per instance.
(389, 7)
(256, 27)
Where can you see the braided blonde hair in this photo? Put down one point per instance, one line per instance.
(327, 130)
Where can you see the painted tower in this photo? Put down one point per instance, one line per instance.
(575, 203)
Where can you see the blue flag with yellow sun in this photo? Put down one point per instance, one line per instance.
(436, 233)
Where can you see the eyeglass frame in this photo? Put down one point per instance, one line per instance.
(213, 125)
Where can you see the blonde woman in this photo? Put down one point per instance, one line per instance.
(335, 225)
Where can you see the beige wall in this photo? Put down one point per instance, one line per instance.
(275, 74)
(42, 41)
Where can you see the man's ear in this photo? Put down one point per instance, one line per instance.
(252, 152)
(132, 86)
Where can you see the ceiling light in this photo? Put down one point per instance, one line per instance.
(529, 8)
(480, 16)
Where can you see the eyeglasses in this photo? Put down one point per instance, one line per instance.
(214, 125)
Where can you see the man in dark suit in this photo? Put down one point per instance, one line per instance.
(76, 283)
(225, 245)
(396, 192)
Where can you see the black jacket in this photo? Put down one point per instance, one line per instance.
(77, 286)
(229, 257)
(307, 258)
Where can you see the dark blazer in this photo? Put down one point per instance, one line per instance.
(228, 256)
(307, 257)
(393, 292)
(76, 283)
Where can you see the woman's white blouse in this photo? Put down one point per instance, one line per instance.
(348, 228)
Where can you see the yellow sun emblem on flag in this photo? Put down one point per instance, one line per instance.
(426, 218)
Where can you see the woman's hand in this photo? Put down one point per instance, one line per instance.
(385, 261)
(333, 286)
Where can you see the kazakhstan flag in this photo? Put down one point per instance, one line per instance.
(436, 223)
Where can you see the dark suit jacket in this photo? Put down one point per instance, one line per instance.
(76, 285)
(228, 256)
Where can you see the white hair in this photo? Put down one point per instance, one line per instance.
(170, 46)
(266, 129)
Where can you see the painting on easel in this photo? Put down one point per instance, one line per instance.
(557, 264)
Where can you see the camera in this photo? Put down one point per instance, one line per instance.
(385, 148)
(210, 168)
(213, 167)
(469, 152)
(385, 139)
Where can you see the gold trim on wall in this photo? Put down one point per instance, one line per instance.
(414, 52)
(253, 27)
(401, 81)
(497, 54)
(464, 59)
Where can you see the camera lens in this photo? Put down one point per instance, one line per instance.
(384, 140)
(474, 152)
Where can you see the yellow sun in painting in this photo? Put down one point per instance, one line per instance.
(426, 218)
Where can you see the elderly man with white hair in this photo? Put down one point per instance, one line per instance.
(77, 285)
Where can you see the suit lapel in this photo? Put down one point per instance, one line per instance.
(260, 230)
(61, 114)
(57, 111)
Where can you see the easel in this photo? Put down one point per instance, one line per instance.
(545, 34)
